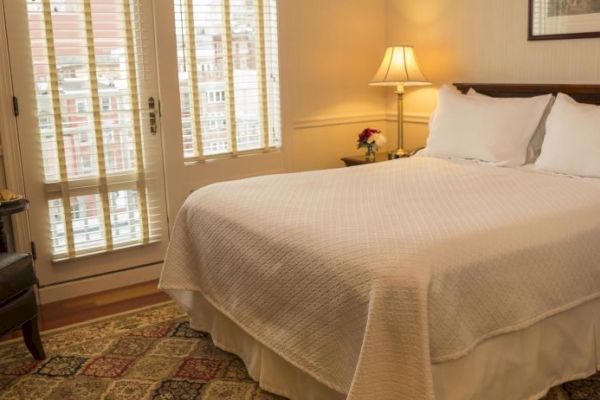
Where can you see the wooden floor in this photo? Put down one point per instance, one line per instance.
(84, 308)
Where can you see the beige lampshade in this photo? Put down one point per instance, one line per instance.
(399, 67)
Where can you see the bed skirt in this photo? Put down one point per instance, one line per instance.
(521, 365)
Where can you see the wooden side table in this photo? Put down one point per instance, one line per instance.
(7, 209)
(361, 160)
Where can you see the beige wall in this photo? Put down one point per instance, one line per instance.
(329, 50)
(481, 41)
(334, 46)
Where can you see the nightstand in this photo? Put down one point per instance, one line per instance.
(361, 160)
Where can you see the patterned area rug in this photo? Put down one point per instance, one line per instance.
(149, 353)
(145, 354)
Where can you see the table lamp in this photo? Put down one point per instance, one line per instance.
(399, 68)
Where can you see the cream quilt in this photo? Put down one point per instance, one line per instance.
(362, 277)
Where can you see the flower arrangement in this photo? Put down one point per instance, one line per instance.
(372, 140)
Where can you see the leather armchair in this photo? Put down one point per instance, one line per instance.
(18, 305)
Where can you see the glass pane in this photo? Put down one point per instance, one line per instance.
(204, 42)
(116, 114)
(208, 33)
(246, 74)
(57, 227)
(125, 216)
(85, 66)
(80, 103)
(88, 224)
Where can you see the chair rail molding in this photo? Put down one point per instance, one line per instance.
(411, 118)
(320, 122)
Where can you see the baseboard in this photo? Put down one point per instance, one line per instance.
(82, 287)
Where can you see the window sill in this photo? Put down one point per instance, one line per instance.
(191, 161)
(90, 252)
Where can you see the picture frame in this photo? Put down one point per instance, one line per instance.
(563, 19)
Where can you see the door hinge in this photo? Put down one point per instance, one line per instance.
(15, 106)
(33, 251)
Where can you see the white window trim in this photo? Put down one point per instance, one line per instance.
(11, 154)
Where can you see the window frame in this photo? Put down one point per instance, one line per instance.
(81, 173)
(269, 114)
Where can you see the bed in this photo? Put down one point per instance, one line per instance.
(420, 278)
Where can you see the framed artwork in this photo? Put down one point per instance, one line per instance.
(564, 19)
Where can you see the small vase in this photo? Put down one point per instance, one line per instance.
(370, 156)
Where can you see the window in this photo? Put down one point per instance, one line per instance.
(80, 105)
(213, 96)
(85, 55)
(44, 122)
(228, 76)
(105, 103)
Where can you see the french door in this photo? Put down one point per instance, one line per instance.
(85, 78)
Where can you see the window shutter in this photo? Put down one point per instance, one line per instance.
(89, 85)
(228, 76)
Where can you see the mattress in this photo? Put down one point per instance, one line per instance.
(342, 273)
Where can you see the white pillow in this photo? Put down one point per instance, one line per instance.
(495, 130)
(535, 145)
(572, 143)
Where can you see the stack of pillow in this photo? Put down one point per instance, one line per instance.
(557, 134)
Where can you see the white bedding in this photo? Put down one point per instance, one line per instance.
(520, 365)
(362, 277)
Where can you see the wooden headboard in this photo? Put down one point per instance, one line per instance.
(582, 93)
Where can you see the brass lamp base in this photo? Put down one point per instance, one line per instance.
(400, 153)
